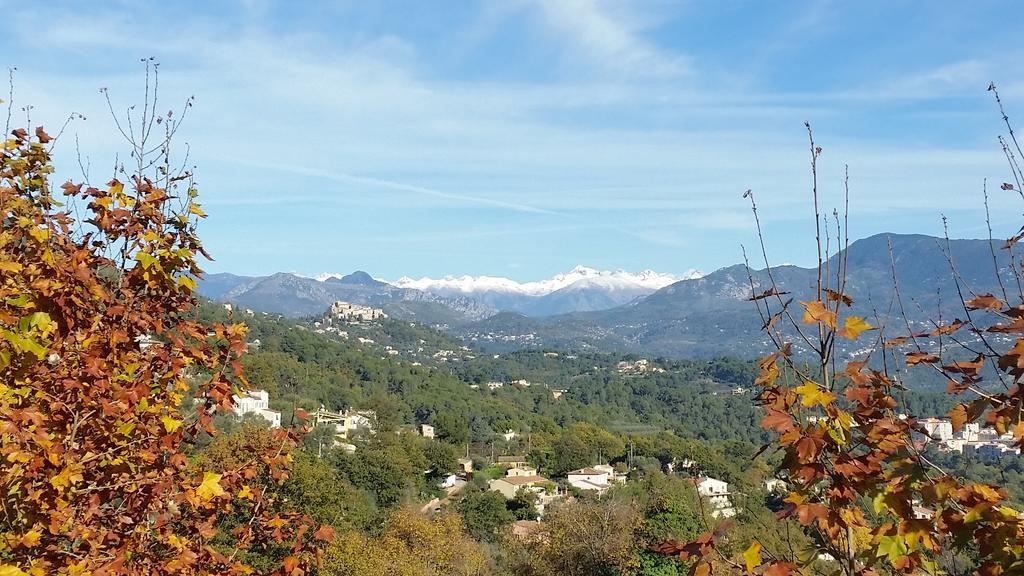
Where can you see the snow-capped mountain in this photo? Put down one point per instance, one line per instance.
(582, 275)
(580, 289)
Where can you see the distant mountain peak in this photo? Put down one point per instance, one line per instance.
(357, 278)
(468, 285)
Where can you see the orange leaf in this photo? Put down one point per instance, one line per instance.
(816, 311)
(984, 302)
(325, 533)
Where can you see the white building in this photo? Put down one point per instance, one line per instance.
(426, 430)
(937, 428)
(257, 402)
(971, 432)
(590, 478)
(717, 493)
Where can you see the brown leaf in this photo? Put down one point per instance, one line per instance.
(834, 296)
(984, 302)
(809, 447)
(948, 328)
(807, 513)
(919, 357)
(767, 294)
(777, 568)
(777, 420)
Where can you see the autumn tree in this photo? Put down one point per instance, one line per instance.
(99, 353)
(410, 545)
(581, 538)
(860, 482)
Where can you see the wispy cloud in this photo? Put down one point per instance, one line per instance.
(610, 36)
(404, 187)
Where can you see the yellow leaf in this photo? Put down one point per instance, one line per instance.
(246, 493)
(853, 326)
(11, 570)
(31, 538)
(195, 209)
(813, 395)
(170, 424)
(753, 556)
(702, 569)
(210, 488)
(845, 419)
(817, 312)
(187, 281)
(116, 187)
(8, 266)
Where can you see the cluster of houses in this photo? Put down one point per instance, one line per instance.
(596, 479)
(463, 353)
(349, 312)
(346, 424)
(641, 366)
(519, 384)
(972, 440)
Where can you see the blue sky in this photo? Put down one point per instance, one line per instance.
(522, 137)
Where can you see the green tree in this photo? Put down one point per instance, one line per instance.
(485, 514)
(570, 453)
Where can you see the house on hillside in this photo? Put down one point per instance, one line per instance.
(717, 494)
(589, 479)
(426, 430)
(510, 485)
(256, 402)
(346, 424)
(526, 479)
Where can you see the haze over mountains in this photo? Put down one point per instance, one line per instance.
(650, 313)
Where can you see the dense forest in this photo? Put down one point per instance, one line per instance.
(697, 412)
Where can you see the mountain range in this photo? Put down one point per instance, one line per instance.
(696, 315)
(473, 297)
